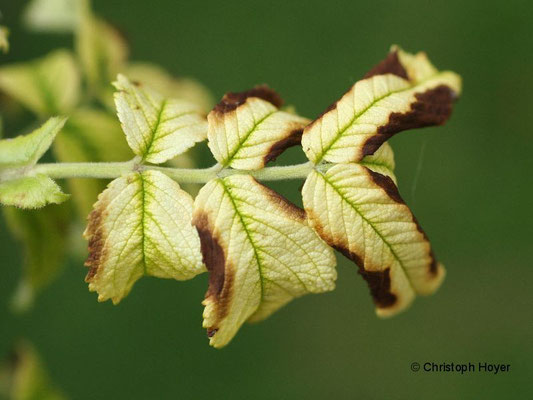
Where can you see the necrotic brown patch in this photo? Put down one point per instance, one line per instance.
(220, 275)
(379, 285)
(387, 184)
(390, 65)
(96, 243)
(432, 107)
(213, 256)
(378, 281)
(232, 100)
(293, 138)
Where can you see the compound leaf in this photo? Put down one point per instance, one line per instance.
(360, 213)
(157, 128)
(27, 149)
(31, 192)
(259, 251)
(90, 136)
(247, 129)
(47, 86)
(402, 92)
(43, 258)
(140, 225)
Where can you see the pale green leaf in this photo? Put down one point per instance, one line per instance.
(386, 102)
(47, 86)
(23, 377)
(102, 51)
(382, 161)
(169, 86)
(4, 42)
(361, 213)
(141, 225)
(157, 128)
(43, 259)
(90, 136)
(417, 66)
(247, 129)
(31, 192)
(27, 149)
(259, 251)
(53, 15)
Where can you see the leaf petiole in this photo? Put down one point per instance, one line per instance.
(112, 170)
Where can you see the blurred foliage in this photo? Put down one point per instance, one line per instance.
(23, 377)
(43, 258)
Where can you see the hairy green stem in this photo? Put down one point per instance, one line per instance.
(113, 170)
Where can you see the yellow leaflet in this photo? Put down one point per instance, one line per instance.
(157, 128)
(247, 130)
(360, 213)
(260, 253)
(140, 225)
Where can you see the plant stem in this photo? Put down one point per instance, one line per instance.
(84, 170)
(182, 175)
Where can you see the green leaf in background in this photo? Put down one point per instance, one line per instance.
(141, 225)
(43, 234)
(169, 86)
(31, 192)
(46, 86)
(90, 136)
(27, 149)
(247, 129)
(157, 128)
(4, 42)
(102, 52)
(259, 251)
(56, 16)
(23, 377)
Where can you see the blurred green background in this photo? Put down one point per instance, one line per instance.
(469, 184)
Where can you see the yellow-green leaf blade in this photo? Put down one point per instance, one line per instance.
(140, 225)
(260, 253)
(157, 128)
(247, 129)
(27, 149)
(360, 213)
(387, 101)
(31, 192)
(47, 86)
